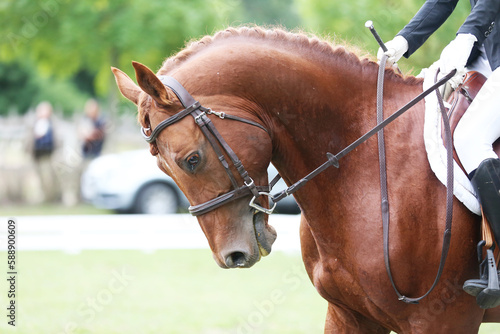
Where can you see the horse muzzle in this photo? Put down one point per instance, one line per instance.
(246, 254)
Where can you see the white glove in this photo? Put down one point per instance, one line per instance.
(395, 50)
(456, 54)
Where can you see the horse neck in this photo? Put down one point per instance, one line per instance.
(340, 112)
(325, 113)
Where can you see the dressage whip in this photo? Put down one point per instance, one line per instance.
(369, 25)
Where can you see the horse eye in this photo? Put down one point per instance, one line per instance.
(193, 161)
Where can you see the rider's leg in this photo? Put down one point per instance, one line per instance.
(474, 137)
(480, 126)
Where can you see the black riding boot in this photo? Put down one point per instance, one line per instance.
(486, 182)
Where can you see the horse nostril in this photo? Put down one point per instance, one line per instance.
(236, 259)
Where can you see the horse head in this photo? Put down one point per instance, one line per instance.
(238, 234)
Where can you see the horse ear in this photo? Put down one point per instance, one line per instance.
(149, 83)
(126, 86)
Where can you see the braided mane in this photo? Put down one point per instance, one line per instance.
(275, 36)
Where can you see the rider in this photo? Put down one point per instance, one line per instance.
(475, 47)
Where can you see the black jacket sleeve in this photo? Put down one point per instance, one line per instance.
(427, 20)
(481, 20)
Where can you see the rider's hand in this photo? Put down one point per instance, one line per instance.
(395, 50)
(456, 54)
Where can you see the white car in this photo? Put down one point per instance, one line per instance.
(131, 182)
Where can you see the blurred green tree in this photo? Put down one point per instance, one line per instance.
(271, 13)
(17, 86)
(346, 19)
(21, 87)
(86, 37)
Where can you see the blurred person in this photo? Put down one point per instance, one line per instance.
(43, 147)
(93, 131)
(476, 47)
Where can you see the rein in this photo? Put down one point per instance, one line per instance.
(385, 197)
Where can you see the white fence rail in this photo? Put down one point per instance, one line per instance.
(148, 233)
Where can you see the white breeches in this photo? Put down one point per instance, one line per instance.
(480, 126)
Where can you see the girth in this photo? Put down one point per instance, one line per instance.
(219, 145)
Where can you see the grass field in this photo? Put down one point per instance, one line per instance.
(181, 291)
(174, 291)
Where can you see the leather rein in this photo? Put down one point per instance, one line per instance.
(384, 192)
(220, 146)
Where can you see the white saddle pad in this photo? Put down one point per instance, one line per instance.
(436, 151)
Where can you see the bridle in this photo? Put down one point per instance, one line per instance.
(219, 145)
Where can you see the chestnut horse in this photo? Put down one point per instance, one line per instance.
(313, 98)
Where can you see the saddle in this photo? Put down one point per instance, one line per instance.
(459, 100)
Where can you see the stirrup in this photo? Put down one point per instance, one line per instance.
(474, 286)
(490, 297)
